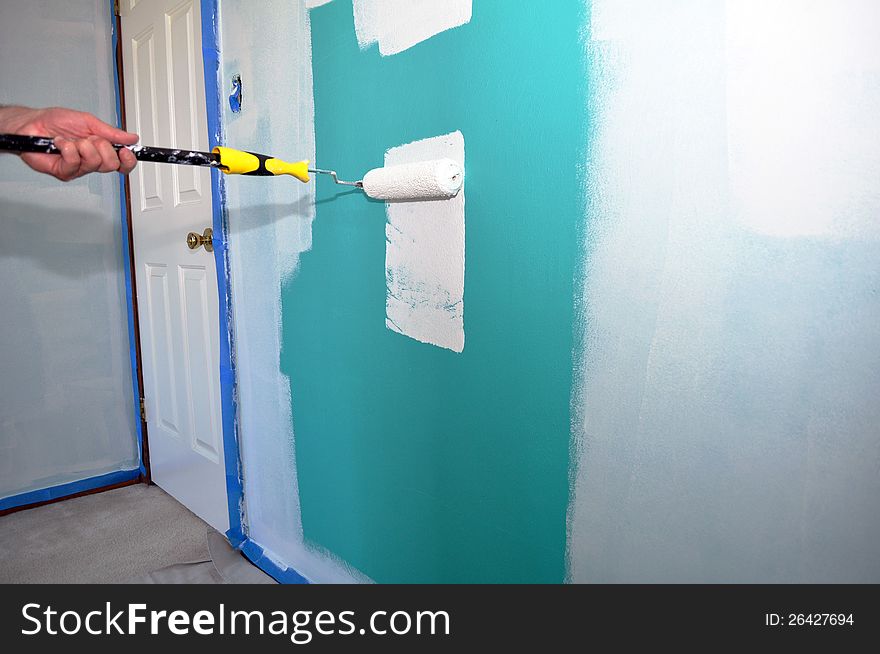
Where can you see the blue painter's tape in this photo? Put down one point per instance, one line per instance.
(132, 343)
(258, 557)
(236, 538)
(234, 490)
(71, 488)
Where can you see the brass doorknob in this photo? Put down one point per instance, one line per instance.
(194, 240)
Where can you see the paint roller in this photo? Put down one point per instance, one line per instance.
(439, 179)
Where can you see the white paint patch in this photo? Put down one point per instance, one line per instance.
(724, 412)
(400, 24)
(424, 254)
(270, 226)
(799, 143)
(311, 4)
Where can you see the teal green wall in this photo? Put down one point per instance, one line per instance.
(416, 464)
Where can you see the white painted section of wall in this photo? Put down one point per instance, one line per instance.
(66, 406)
(424, 254)
(270, 226)
(398, 25)
(726, 424)
(782, 88)
(311, 4)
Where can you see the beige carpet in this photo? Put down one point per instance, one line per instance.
(137, 533)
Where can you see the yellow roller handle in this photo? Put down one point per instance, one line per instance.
(239, 162)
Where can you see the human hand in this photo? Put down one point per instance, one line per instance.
(84, 140)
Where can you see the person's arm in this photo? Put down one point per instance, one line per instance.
(84, 140)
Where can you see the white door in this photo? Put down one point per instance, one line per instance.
(176, 286)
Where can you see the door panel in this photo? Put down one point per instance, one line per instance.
(164, 400)
(177, 287)
(184, 96)
(201, 367)
(142, 80)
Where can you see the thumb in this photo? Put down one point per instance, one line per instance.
(112, 134)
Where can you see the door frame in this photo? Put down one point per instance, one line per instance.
(134, 331)
(211, 60)
(237, 536)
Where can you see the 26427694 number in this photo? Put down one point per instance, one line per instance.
(819, 619)
(808, 619)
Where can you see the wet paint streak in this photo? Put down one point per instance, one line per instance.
(424, 254)
(397, 25)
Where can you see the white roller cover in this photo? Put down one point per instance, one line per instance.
(439, 179)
